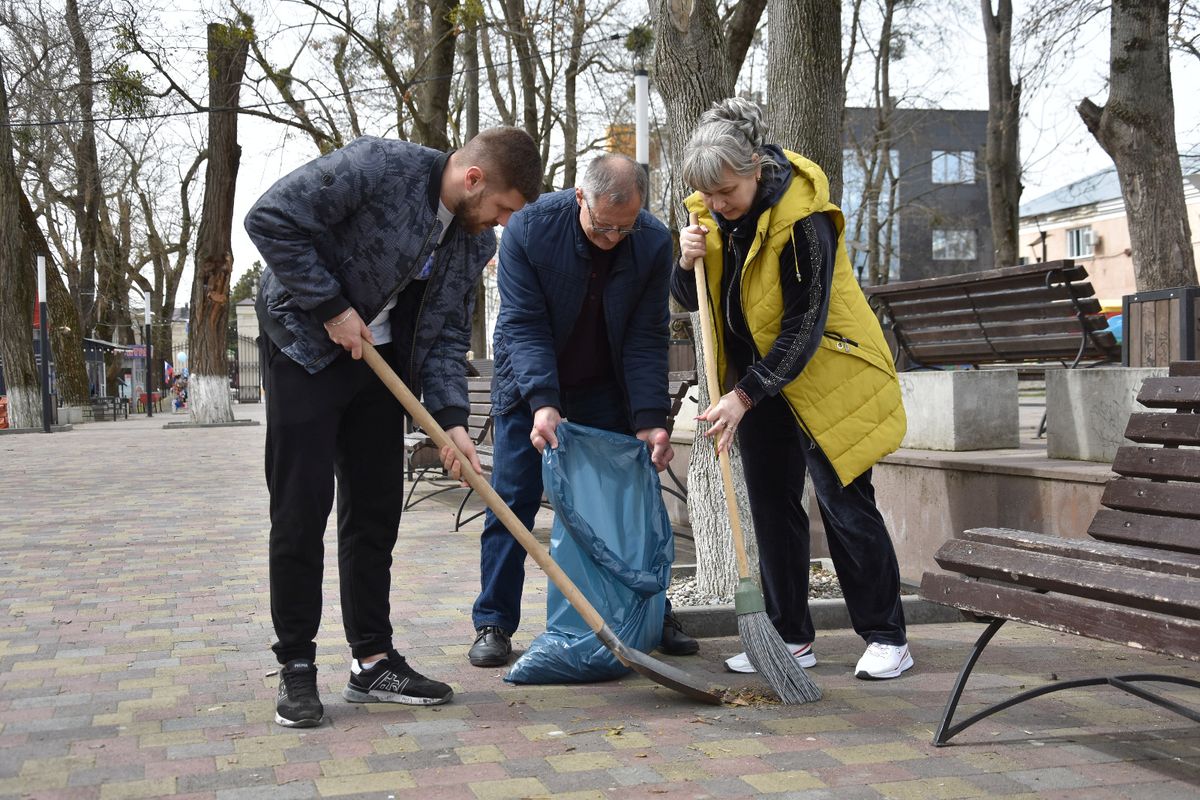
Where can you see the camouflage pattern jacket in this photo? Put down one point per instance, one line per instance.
(352, 229)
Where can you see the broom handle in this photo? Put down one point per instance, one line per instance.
(427, 423)
(707, 338)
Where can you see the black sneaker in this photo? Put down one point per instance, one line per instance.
(491, 649)
(392, 680)
(674, 641)
(298, 704)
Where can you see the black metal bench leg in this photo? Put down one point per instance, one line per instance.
(458, 520)
(945, 730)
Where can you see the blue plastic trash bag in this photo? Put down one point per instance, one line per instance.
(613, 538)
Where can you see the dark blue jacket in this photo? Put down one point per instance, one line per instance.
(543, 276)
(351, 229)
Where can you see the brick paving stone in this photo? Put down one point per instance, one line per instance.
(134, 661)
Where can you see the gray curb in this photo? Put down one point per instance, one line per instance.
(237, 423)
(706, 622)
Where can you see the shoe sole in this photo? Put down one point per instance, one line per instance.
(298, 723)
(691, 651)
(488, 662)
(905, 664)
(351, 695)
(806, 661)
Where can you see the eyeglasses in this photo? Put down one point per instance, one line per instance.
(606, 229)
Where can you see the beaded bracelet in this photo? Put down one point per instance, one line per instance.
(345, 317)
(744, 397)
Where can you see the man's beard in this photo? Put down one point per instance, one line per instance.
(466, 211)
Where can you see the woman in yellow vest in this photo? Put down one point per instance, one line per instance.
(811, 383)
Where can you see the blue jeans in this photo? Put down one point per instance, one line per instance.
(517, 478)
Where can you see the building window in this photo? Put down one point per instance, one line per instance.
(1080, 243)
(953, 245)
(953, 166)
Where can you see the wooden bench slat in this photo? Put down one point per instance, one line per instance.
(1162, 463)
(991, 274)
(1181, 369)
(914, 319)
(1173, 392)
(959, 302)
(1044, 327)
(1170, 533)
(1164, 499)
(1147, 558)
(1164, 428)
(1097, 620)
(979, 285)
(1002, 348)
(1150, 591)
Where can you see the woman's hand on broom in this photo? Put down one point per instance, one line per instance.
(723, 418)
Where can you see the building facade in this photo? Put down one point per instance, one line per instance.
(1085, 221)
(932, 213)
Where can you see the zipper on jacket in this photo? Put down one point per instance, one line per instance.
(401, 285)
(841, 340)
(412, 356)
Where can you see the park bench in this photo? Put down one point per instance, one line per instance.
(422, 457)
(1029, 315)
(1135, 581)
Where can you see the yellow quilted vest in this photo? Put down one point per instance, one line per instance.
(847, 398)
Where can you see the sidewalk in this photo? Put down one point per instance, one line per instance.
(134, 662)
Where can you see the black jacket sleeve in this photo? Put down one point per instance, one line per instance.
(806, 273)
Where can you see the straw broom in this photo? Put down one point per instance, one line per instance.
(764, 646)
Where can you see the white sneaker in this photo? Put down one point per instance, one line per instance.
(882, 661)
(802, 652)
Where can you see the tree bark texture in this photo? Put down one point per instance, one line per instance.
(19, 280)
(208, 394)
(1136, 126)
(431, 121)
(1004, 114)
(804, 75)
(87, 169)
(692, 68)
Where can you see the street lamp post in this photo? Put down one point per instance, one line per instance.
(149, 361)
(44, 344)
(641, 94)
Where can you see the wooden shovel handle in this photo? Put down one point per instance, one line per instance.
(427, 423)
(708, 340)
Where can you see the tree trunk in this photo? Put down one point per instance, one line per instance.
(804, 73)
(430, 124)
(19, 280)
(521, 34)
(87, 170)
(1137, 128)
(691, 66)
(1003, 153)
(570, 122)
(208, 386)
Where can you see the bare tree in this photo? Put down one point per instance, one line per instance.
(208, 393)
(1136, 126)
(1003, 126)
(807, 90)
(697, 56)
(17, 278)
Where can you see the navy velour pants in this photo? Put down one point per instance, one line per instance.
(776, 454)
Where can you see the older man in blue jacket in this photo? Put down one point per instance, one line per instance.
(382, 241)
(582, 335)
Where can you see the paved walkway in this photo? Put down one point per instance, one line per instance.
(134, 662)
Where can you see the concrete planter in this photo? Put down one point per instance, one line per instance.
(1087, 410)
(70, 415)
(960, 409)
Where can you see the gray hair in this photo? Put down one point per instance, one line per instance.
(729, 136)
(615, 179)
